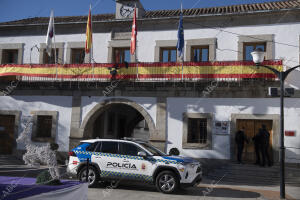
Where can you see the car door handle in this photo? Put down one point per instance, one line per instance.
(125, 160)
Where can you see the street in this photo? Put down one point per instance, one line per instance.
(203, 191)
(212, 187)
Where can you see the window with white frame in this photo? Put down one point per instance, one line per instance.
(248, 43)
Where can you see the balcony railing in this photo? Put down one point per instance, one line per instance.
(143, 72)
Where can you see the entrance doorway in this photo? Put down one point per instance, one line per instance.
(251, 129)
(118, 121)
(7, 128)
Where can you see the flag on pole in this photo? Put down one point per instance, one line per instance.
(133, 34)
(89, 37)
(50, 34)
(180, 36)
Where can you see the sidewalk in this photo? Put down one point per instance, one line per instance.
(204, 191)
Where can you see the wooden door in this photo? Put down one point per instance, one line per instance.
(268, 124)
(7, 128)
(249, 151)
(251, 129)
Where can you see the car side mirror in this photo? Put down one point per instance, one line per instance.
(142, 154)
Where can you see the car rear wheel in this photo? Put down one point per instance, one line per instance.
(167, 182)
(93, 176)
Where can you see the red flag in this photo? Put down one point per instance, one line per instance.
(133, 34)
(88, 41)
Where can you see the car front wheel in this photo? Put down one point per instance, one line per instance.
(93, 176)
(167, 182)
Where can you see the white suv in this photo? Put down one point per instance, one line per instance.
(111, 159)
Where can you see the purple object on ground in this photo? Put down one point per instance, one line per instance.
(12, 188)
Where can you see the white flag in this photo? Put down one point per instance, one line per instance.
(50, 34)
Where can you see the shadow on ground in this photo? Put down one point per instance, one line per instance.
(193, 191)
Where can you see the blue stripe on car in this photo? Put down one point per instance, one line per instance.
(179, 159)
(81, 152)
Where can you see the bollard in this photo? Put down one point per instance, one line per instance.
(87, 170)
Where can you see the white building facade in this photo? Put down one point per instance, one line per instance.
(199, 117)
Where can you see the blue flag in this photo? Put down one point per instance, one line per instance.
(180, 37)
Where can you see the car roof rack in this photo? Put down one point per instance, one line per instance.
(135, 139)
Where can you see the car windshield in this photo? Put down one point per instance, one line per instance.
(152, 149)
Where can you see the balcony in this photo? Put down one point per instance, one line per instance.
(228, 71)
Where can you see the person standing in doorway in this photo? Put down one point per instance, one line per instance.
(240, 139)
(257, 144)
(265, 138)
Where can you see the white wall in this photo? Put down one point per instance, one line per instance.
(227, 43)
(26, 104)
(222, 110)
(284, 33)
(148, 103)
(100, 51)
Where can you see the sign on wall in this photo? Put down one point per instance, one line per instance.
(290, 133)
(222, 127)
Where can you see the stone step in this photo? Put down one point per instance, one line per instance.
(243, 174)
(249, 174)
(249, 167)
(258, 169)
(249, 177)
(243, 177)
(253, 173)
(258, 178)
(256, 182)
(9, 160)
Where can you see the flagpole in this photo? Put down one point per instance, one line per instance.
(92, 49)
(55, 59)
(137, 63)
(89, 41)
(182, 48)
(136, 48)
(182, 66)
(133, 42)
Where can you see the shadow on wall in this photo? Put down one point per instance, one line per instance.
(206, 105)
(111, 98)
(61, 139)
(62, 101)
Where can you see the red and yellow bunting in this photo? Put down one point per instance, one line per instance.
(145, 71)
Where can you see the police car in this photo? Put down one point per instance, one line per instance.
(112, 160)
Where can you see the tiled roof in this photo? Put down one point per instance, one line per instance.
(45, 20)
(233, 9)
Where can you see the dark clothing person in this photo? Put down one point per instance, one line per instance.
(257, 144)
(265, 138)
(240, 139)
